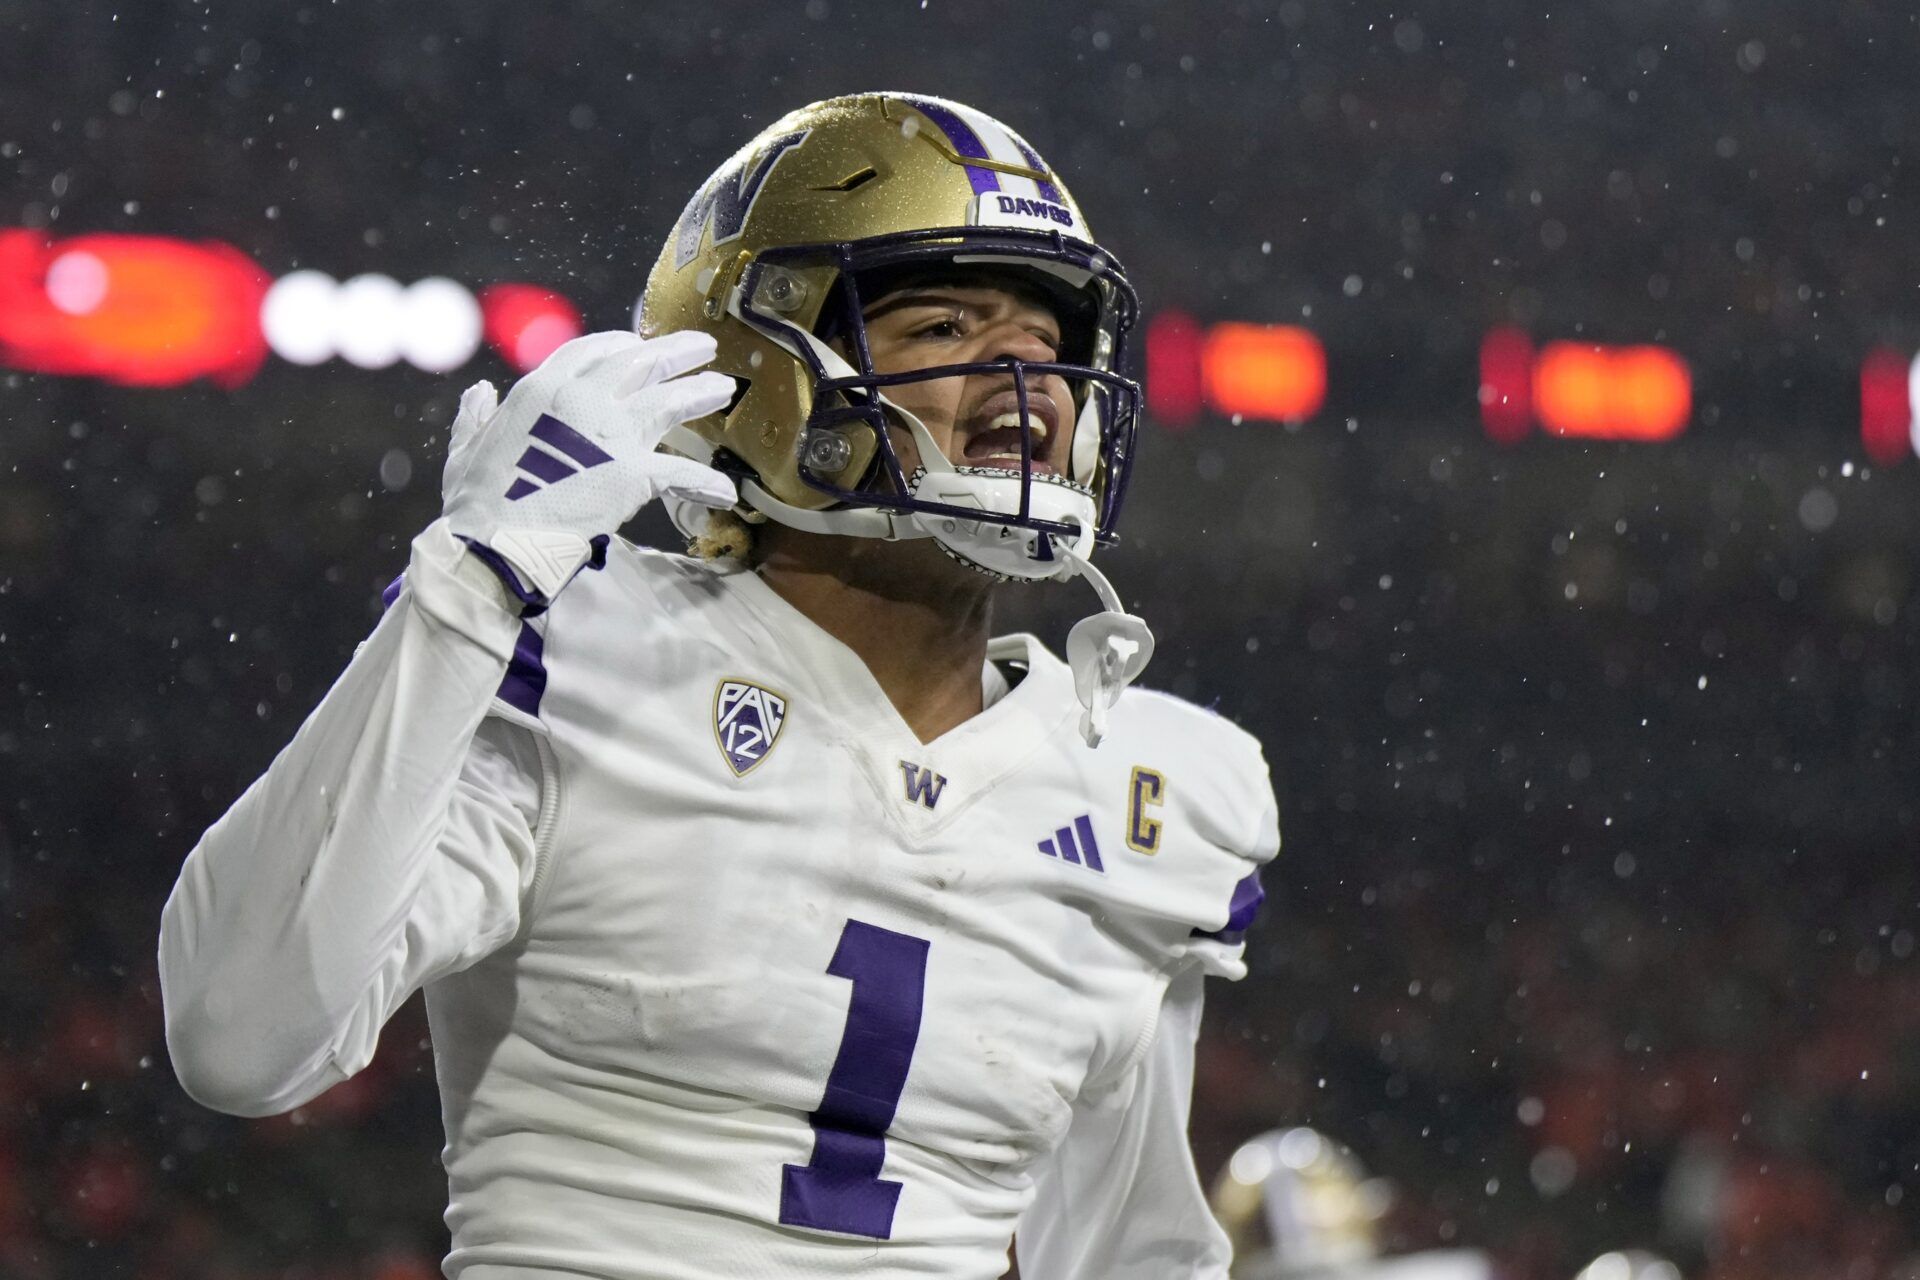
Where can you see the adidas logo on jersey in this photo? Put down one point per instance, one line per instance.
(747, 720)
(923, 784)
(1075, 844)
(546, 468)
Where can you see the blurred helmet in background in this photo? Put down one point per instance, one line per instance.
(1629, 1264)
(1297, 1204)
(840, 200)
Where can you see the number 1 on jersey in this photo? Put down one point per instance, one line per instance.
(841, 1189)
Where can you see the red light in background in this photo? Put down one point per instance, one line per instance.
(1506, 385)
(139, 310)
(155, 311)
(1174, 392)
(1652, 393)
(524, 322)
(1611, 393)
(1886, 406)
(1581, 389)
(152, 311)
(1273, 372)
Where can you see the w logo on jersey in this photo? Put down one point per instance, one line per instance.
(923, 784)
(746, 723)
(726, 200)
(578, 453)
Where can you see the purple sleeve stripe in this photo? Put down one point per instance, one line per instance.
(964, 140)
(1247, 897)
(520, 488)
(534, 602)
(1047, 190)
(526, 674)
(1232, 937)
(539, 463)
(550, 430)
(392, 592)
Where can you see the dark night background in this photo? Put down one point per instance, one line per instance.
(1595, 925)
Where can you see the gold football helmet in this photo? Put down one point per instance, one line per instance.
(771, 257)
(1297, 1204)
(1630, 1264)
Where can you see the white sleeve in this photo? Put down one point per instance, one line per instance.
(386, 845)
(1120, 1199)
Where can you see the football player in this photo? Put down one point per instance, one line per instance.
(1629, 1264)
(1298, 1206)
(773, 920)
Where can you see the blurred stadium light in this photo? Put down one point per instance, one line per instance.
(1274, 373)
(1888, 428)
(1582, 389)
(160, 311)
(140, 310)
(156, 311)
(1269, 373)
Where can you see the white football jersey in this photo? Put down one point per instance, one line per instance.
(730, 975)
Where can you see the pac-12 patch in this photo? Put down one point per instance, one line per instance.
(746, 723)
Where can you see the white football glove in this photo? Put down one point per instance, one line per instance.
(537, 484)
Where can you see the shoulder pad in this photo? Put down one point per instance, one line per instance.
(1201, 806)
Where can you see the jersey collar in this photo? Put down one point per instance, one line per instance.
(974, 756)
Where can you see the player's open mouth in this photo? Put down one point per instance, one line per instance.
(996, 442)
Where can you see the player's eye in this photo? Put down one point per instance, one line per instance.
(943, 327)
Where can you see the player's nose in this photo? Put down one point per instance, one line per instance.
(1011, 341)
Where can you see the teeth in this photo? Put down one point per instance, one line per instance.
(1013, 420)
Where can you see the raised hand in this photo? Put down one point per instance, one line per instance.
(572, 454)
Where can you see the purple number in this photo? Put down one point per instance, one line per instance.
(841, 1189)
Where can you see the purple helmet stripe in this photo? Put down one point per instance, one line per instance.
(551, 430)
(526, 673)
(964, 140)
(1047, 190)
(544, 466)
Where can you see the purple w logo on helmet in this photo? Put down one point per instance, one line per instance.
(725, 201)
